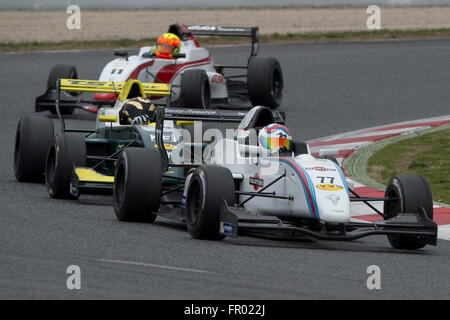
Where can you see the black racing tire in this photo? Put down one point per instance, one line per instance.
(67, 150)
(208, 186)
(138, 185)
(265, 82)
(34, 137)
(62, 71)
(411, 192)
(195, 89)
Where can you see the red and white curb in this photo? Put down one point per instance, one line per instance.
(347, 143)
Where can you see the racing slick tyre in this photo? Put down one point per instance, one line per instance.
(62, 71)
(195, 89)
(138, 185)
(34, 137)
(207, 187)
(265, 82)
(67, 150)
(411, 191)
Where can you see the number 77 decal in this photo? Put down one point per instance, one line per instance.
(322, 179)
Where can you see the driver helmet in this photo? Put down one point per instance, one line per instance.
(167, 45)
(274, 138)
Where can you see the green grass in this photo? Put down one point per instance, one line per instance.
(271, 38)
(427, 155)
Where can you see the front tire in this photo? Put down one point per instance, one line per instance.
(138, 185)
(67, 150)
(34, 137)
(207, 187)
(195, 89)
(265, 82)
(412, 191)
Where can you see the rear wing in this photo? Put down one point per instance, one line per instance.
(132, 87)
(207, 115)
(252, 32)
(125, 90)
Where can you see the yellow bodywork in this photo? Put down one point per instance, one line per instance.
(104, 118)
(121, 88)
(184, 123)
(90, 175)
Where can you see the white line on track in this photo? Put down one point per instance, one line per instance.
(154, 266)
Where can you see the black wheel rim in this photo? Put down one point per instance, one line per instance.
(205, 96)
(119, 186)
(17, 151)
(392, 207)
(50, 167)
(277, 85)
(194, 203)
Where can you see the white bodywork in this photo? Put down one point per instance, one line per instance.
(144, 69)
(318, 186)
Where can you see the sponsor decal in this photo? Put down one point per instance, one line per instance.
(329, 187)
(215, 28)
(318, 168)
(217, 78)
(256, 182)
(226, 228)
(334, 198)
(73, 189)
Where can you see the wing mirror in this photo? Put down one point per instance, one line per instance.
(328, 152)
(123, 54)
(178, 55)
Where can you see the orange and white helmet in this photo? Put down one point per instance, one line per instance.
(167, 45)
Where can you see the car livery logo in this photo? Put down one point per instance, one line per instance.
(329, 187)
(226, 228)
(256, 182)
(317, 168)
(334, 198)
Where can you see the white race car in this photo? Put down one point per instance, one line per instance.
(238, 187)
(196, 81)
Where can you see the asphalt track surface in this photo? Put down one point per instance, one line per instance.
(330, 88)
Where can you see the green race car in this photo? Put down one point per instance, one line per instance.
(72, 163)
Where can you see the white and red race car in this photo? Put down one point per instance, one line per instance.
(196, 81)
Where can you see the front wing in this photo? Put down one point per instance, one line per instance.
(234, 220)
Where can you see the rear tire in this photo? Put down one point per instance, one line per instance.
(207, 187)
(67, 150)
(34, 137)
(138, 185)
(62, 71)
(265, 82)
(411, 191)
(195, 89)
